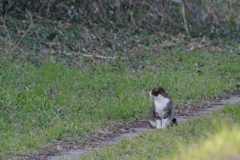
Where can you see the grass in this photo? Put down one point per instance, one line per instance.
(52, 101)
(209, 137)
(222, 145)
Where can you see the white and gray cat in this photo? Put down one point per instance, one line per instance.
(161, 114)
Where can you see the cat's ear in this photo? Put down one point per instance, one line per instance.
(157, 88)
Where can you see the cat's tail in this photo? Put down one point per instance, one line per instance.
(174, 122)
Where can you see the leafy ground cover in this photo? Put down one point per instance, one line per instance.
(210, 137)
(69, 29)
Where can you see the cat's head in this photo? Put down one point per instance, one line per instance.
(156, 91)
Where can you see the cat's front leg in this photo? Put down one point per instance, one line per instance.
(159, 123)
(164, 122)
(153, 124)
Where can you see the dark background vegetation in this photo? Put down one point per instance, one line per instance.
(193, 18)
(201, 16)
(104, 27)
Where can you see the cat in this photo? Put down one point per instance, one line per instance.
(161, 114)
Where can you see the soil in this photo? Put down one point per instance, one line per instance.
(113, 134)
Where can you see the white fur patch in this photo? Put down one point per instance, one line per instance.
(160, 103)
(153, 123)
(159, 123)
(164, 123)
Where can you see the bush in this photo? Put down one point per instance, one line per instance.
(191, 16)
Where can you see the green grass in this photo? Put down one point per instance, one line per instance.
(209, 137)
(222, 145)
(51, 101)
